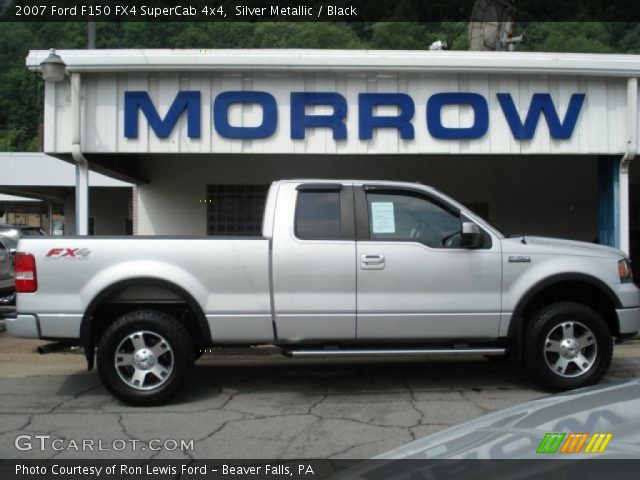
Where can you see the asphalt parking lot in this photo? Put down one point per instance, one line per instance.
(258, 406)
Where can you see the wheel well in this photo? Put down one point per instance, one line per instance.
(142, 294)
(577, 291)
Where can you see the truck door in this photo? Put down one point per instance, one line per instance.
(414, 279)
(314, 262)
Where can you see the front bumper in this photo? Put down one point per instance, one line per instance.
(23, 326)
(628, 294)
(628, 320)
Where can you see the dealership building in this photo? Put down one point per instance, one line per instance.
(537, 143)
(38, 190)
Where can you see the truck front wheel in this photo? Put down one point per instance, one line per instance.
(144, 356)
(567, 345)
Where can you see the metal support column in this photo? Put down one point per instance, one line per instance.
(609, 203)
(632, 145)
(82, 166)
(50, 217)
(82, 199)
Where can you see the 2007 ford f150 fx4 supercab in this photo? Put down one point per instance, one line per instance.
(342, 268)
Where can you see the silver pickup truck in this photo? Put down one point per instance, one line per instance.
(343, 268)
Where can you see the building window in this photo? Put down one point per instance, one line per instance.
(235, 210)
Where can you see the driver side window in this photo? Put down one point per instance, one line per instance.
(407, 217)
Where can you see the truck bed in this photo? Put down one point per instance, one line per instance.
(227, 277)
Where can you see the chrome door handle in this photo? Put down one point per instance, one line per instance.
(372, 259)
(372, 262)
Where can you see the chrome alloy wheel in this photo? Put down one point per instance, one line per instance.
(144, 360)
(570, 349)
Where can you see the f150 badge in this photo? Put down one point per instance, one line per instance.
(68, 254)
(520, 259)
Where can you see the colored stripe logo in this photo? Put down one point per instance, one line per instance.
(598, 442)
(550, 443)
(558, 442)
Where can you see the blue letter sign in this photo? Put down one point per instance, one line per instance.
(366, 102)
(189, 102)
(134, 101)
(335, 121)
(221, 114)
(541, 103)
(475, 101)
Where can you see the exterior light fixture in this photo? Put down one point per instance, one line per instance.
(53, 67)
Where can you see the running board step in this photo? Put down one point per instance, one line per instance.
(370, 352)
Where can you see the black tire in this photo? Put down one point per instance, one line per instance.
(180, 355)
(555, 318)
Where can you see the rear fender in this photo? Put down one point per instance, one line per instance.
(86, 326)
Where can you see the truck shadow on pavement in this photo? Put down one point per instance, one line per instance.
(354, 378)
(219, 382)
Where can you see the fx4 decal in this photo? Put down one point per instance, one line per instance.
(68, 253)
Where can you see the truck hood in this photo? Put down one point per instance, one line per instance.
(516, 432)
(549, 245)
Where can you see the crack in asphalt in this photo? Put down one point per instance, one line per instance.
(352, 447)
(475, 403)
(412, 402)
(213, 433)
(323, 398)
(125, 431)
(74, 397)
(23, 427)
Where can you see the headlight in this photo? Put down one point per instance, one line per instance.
(624, 270)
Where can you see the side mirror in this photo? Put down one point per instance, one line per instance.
(471, 235)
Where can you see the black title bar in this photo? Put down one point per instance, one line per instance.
(319, 10)
(279, 469)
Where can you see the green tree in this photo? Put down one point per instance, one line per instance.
(306, 35)
(628, 38)
(586, 37)
(417, 36)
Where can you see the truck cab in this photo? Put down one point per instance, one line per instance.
(391, 259)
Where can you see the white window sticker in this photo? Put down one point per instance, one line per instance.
(382, 219)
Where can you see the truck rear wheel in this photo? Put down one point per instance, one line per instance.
(144, 356)
(567, 345)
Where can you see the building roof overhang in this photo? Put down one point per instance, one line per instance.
(380, 61)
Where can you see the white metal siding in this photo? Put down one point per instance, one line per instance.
(38, 169)
(601, 126)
